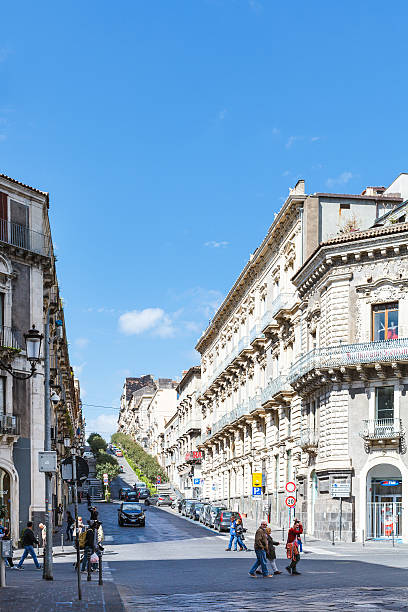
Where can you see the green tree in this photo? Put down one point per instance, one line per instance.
(107, 468)
(97, 443)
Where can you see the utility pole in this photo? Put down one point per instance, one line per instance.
(47, 568)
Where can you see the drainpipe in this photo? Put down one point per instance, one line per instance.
(301, 234)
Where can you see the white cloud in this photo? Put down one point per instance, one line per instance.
(291, 140)
(137, 322)
(314, 138)
(214, 244)
(342, 179)
(104, 424)
(222, 114)
(286, 173)
(81, 342)
(78, 368)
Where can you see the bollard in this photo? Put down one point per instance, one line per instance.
(100, 568)
(283, 534)
(333, 537)
(62, 542)
(363, 539)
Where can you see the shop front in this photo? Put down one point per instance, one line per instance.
(384, 502)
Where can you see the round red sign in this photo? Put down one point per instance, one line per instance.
(290, 501)
(290, 487)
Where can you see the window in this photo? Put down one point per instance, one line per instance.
(384, 403)
(385, 321)
(1, 310)
(289, 465)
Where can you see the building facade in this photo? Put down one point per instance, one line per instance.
(255, 416)
(28, 296)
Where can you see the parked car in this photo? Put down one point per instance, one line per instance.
(222, 520)
(131, 496)
(119, 453)
(185, 511)
(131, 514)
(202, 511)
(164, 500)
(88, 455)
(123, 491)
(210, 514)
(121, 469)
(195, 511)
(143, 493)
(152, 500)
(139, 485)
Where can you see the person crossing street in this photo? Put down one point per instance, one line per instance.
(29, 540)
(261, 547)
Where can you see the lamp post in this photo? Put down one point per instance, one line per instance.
(33, 340)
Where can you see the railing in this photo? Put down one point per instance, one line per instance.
(281, 301)
(382, 429)
(228, 418)
(9, 424)
(309, 438)
(192, 424)
(10, 338)
(24, 238)
(274, 386)
(349, 354)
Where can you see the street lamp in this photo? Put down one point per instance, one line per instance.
(33, 340)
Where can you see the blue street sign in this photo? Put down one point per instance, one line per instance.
(196, 481)
(213, 487)
(256, 491)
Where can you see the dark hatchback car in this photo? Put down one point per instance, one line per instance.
(123, 491)
(131, 513)
(196, 510)
(222, 520)
(210, 513)
(143, 493)
(164, 500)
(131, 496)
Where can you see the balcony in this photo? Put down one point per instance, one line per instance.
(227, 419)
(277, 391)
(309, 440)
(9, 425)
(11, 339)
(372, 354)
(24, 238)
(382, 430)
(194, 425)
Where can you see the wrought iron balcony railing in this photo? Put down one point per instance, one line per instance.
(191, 425)
(275, 386)
(24, 238)
(281, 301)
(227, 419)
(309, 438)
(382, 429)
(9, 424)
(327, 357)
(10, 338)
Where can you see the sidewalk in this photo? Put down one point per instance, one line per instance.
(26, 590)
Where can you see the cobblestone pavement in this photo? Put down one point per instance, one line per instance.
(362, 598)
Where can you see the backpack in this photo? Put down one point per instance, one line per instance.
(82, 540)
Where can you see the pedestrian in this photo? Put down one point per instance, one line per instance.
(88, 499)
(233, 534)
(60, 514)
(261, 547)
(292, 551)
(70, 526)
(43, 533)
(29, 540)
(89, 546)
(94, 514)
(81, 527)
(299, 530)
(6, 536)
(239, 530)
(271, 554)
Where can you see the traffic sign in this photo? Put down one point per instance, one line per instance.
(105, 479)
(290, 487)
(158, 480)
(256, 491)
(257, 479)
(196, 481)
(290, 501)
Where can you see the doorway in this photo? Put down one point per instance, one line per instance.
(384, 502)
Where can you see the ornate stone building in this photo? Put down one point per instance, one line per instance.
(257, 417)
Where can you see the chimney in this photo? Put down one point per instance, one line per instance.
(298, 189)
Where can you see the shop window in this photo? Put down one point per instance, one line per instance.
(385, 321)
(384, 403)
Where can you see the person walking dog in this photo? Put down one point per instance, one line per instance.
(261, 547)
(29, 540)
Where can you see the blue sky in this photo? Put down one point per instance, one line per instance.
(168, 133)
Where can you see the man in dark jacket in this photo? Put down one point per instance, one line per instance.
(29, 540)
(261, 547)
(89, 547)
